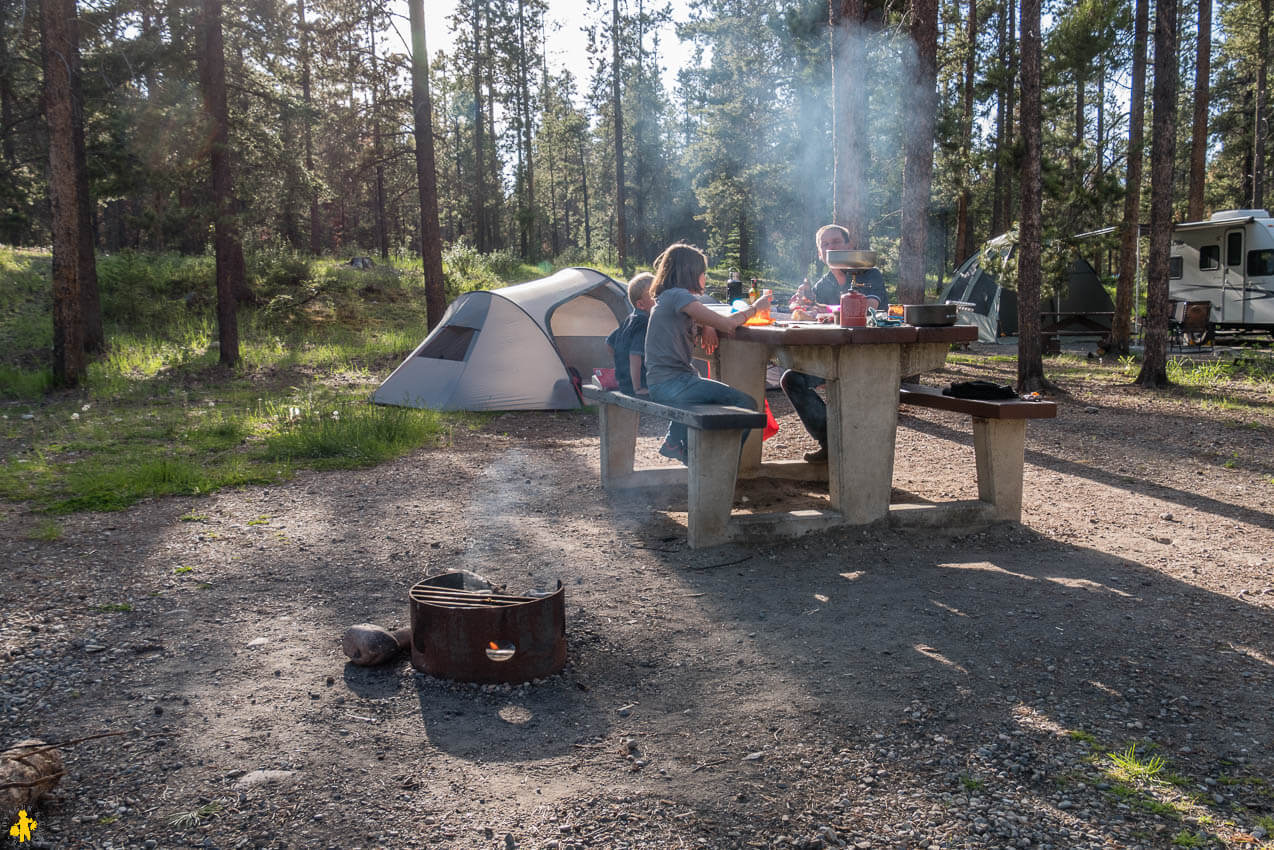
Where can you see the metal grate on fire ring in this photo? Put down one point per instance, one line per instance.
(464, 628)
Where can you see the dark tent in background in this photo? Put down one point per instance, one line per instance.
(513, 348)
(1082, 305)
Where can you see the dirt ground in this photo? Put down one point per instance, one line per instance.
(868, 688)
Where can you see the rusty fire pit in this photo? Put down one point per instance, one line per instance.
(465, 629)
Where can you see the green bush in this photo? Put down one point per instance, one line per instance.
(153, 290)
(466, 270)
(24, 383)
(274, 269)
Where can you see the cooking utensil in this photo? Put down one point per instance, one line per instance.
(851, 259)
(929, 315)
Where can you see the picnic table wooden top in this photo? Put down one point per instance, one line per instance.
(813, 333)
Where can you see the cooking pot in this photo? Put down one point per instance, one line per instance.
(851, 259)
(929, 314)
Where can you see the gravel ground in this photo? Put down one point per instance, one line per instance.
(867, 688)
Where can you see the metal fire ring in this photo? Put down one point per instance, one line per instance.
(465, 629)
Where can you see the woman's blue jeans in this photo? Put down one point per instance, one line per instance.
(691, 389)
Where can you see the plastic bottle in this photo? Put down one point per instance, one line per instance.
(753, 293)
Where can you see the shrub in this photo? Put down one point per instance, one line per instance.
(466, 270)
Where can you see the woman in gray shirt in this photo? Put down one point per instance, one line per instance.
(680, 274)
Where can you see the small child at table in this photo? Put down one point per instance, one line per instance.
(627, 343)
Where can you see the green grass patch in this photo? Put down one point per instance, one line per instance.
(1128, 765)
(352, 435)
(1081, 735)
(182, 570)
(158, 416)
(46, 531)
(17, 383)
(117, 607)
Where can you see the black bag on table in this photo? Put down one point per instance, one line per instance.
(980, 390)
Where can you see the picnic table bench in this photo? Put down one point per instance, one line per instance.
(999, 441)
(715, 434)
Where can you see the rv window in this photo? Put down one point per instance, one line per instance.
(449, 343)
(1260, 263)
(1234, 248)
(1209, 257)
(1174, 267)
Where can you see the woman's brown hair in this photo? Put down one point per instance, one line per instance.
(679, 267)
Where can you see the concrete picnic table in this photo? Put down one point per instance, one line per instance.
(863, 368)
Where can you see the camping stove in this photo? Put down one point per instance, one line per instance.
(465, 629)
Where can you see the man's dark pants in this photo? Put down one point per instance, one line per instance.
(799, 389)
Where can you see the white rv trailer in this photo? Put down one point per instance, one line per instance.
(1226, 262)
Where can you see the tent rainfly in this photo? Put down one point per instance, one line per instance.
(994, 310)
(513, 348)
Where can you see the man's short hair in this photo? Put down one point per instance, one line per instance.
(818, 237)
(639, 286)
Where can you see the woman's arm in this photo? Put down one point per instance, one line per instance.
(706, 316)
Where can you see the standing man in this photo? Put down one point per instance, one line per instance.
(800, 387)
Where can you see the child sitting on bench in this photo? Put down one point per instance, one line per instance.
(680, 275)
(627, 343)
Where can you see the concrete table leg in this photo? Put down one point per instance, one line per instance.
(714, 464)
(618, 426)
(742, 366)
(862, 418)
(999, 445)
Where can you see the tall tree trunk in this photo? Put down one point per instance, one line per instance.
(378, 152)
(621, 232)
(588, 222)
(1030, 363)
(1130, 229)
(1002, 121)
(59, 39)
(1163, 142)
(529, 227)
(849, 103)
(1081, 122)
(1199, 134)
(479, 157)
(7, 149)
(1010, 196)
(918, 152)
(86, 256)
(1101, 117)
(964, 238)
(1260, 121)
(426, 170)
(493, 168)
(316, 230)
(229, 251)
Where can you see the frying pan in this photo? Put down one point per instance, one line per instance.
(851, 259)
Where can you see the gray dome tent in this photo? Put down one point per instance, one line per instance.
(513, 348)
(1082, 305)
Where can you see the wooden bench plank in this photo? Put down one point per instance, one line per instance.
(923, 396)
(704, 417)
(999, 441)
